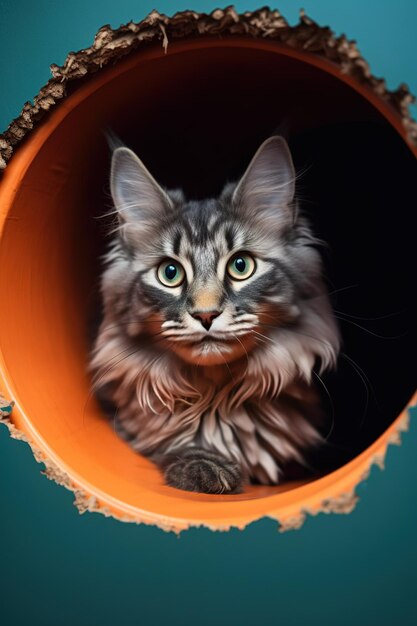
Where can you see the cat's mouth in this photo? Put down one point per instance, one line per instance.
(213, 349)
(212, 339)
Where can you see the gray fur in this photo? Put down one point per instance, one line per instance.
(235, 402)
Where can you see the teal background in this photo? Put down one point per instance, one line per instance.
(59, 568)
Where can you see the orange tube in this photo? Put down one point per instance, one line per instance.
(48, 267)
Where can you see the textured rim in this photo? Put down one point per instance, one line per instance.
(111, 45)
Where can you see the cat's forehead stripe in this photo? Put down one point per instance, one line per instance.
(176, 243)
(228, 234)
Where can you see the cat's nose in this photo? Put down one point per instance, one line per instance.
(206, 317)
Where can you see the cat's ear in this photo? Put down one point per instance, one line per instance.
(139, 200)
(266, 190)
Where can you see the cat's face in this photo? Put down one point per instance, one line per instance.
(208, 279)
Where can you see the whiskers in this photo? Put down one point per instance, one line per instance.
(349, 318)
(343, 317)
(333, 412)
(261, 337)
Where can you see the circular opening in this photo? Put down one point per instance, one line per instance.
(195, 117)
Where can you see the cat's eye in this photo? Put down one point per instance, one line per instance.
(241, 266)
(170, 273)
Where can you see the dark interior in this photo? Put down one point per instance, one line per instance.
(196, 118)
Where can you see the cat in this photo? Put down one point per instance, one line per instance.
(216, 319)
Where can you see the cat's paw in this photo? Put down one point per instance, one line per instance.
(204, 472)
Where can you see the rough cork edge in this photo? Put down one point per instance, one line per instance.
(342, 503)
(112, 45)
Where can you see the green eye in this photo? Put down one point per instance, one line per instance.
(241, 266)
(170, 273)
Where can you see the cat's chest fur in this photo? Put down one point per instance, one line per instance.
(254, 411)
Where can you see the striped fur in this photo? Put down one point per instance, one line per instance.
(241, 391)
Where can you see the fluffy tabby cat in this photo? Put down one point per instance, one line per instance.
(215, 314)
